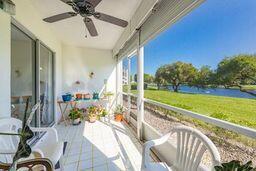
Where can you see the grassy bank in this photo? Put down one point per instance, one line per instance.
(237, 110)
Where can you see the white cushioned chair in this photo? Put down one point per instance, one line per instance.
(191, 146)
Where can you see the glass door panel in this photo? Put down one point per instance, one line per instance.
(46, 87)
(22, 73)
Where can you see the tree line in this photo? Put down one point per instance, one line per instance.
(236, 71)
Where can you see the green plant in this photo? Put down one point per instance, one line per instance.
(94, 111)
(75, 113)
(104, 113)
(134, 86)
(235, 165)
(108, 94)
(119, 110)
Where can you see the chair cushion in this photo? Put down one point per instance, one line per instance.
(53, 152)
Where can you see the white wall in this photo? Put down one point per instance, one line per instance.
(5, 63)
(78, 63)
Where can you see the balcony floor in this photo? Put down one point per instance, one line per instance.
(100, 146)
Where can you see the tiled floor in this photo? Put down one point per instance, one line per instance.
(100, 146)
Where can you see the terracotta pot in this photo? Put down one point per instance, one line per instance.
(79, 96)
(119, 117)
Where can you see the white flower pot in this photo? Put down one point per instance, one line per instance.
(76, 121)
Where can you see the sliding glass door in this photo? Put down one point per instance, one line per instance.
(31, 77)
(46, 86)
(22, 73)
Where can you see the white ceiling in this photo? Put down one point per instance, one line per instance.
(72, 31)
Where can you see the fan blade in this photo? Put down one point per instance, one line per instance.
(94, 2)
(69, 2)
(91, 27)
(59, 17)
(111, 19)
(65, 1)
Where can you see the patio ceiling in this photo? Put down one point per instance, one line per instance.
(72, 31)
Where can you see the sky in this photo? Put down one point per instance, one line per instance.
(214, 30)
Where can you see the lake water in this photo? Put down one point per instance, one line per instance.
(216, 92)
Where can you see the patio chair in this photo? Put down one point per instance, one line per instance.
(31, 164)
(48, 147)
(191, 146)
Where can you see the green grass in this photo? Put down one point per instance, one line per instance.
(237, 110)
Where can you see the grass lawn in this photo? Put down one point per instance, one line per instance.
(237, 110)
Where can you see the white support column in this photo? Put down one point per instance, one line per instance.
(140, 88)
(119, 74)
(129, 88)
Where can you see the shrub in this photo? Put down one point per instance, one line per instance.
(134, 86)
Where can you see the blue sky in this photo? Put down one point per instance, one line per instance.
(216, 29)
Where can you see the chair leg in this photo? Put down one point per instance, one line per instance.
(61, 163)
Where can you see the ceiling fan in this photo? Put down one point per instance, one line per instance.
(86, 8)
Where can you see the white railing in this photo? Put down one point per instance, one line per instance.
(217, 122)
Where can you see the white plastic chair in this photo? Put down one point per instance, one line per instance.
(48, 147)
(191, 146)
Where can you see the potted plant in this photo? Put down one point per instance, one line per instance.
(92, 114)
(75, 115)
(103, 114)
(79, 96)
(119, 112)
(235, 165)
(66, 97)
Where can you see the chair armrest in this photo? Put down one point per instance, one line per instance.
(52, 132)
(152, 143)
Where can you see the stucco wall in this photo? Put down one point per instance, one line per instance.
(78, 63)
(5, 63)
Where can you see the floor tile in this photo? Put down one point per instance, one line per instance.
(85, 164)
(72, 159)
(70, 167)
(100, 146)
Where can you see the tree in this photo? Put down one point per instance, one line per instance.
(179, 73)
(160, 76)
(147, 78)
(237, 71)
(204, 77)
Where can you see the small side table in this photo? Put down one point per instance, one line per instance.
(63, 108)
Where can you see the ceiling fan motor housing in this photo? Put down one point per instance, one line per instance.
(84, 8)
